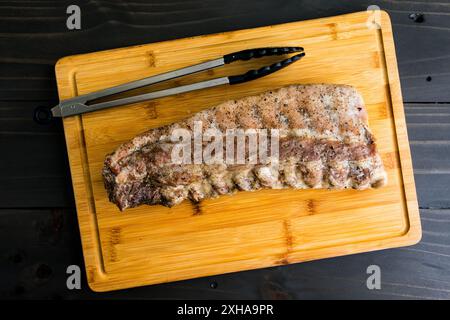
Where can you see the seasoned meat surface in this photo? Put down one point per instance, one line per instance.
(321, 133)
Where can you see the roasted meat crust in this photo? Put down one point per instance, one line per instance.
(325, 142)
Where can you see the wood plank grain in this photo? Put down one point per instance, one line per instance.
(429, 133)
(40, 244)
(40, 184)
(422, 48)
(36, 248)
(37, 166)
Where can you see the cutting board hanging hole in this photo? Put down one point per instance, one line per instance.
(42, 115)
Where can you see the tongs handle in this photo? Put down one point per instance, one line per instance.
(258, 53)
(264, 71)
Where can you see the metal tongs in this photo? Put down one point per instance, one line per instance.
(79, 104)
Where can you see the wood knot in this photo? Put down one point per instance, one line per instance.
(310, 207)
(284, 259)
(151, 59)
(43, 272)
(150, 109)
(417, 17)
(389, 160)
(273, 290)
(197, 209)
(114, 239)
(115, 236)
(288, 234)
(90, 274)
(333, 30)
(376, 59)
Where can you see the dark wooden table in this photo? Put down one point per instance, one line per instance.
(39, 234)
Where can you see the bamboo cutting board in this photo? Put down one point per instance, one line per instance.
(154, 244)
